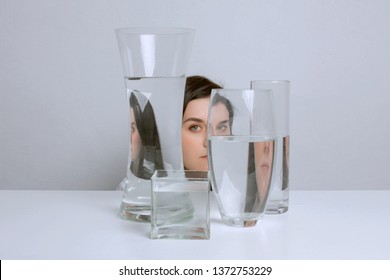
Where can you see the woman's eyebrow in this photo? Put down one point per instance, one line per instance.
(193, 119)
(223, 122)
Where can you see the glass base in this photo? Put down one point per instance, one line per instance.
(136, 203)
(139, 213)
(234, 222)
(167, 214)
(180, 232)
(276, 207)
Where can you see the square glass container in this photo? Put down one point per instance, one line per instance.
(180, 205)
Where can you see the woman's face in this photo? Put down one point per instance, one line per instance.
(219, 121)
(264, 156)
(135, 138)
(194, 134)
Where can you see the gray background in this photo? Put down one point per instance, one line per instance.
(63, 112)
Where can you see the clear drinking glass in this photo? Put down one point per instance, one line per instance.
(179, 193)
(154, 61)
(279, 194)
(241, 140)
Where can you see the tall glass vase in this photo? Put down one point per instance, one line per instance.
(154, 63)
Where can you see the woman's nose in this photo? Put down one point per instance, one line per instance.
(266, 148)
(204, 139)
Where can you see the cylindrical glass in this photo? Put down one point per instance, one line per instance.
(154, 61)
(278, 200)
(241, 141)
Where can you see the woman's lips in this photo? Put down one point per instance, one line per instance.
(265, 166)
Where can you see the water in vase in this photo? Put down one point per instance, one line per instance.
(155, 113)
(241, 174)
(278, 199)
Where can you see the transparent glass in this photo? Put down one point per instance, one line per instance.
(186, 195)
(278, 200)
(241, 141)
(154, 62)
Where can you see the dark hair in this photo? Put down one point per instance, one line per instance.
(197, 87)
(147, 128)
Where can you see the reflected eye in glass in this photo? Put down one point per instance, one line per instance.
(223, 128)
(133, 128)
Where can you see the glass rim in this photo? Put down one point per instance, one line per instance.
(154, 30)
(271, 81)
(216, 90)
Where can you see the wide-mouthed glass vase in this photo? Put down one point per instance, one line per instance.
(154, 62)
(241, 141)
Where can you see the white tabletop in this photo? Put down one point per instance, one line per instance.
(86, 225)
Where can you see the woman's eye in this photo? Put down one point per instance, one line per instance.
(133, 128)
(195, 128)
(222, 127)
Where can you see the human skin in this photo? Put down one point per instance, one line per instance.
(135, 138)
(219, 121)
(264, 156)
(194, 134)
(194, 131)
